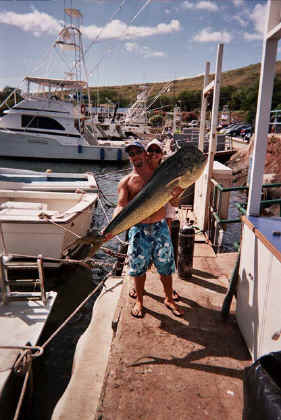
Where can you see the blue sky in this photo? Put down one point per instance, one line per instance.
(131, 41)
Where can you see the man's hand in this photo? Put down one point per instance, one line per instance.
(177, 191)
(108, 236)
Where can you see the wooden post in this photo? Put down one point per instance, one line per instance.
(272, 34)
(203, 109)
(203, 205)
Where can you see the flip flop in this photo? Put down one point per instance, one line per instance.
(174, 311)
(133, 293)
(136, 312)
(176, 296)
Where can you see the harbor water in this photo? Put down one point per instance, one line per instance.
(52, 372)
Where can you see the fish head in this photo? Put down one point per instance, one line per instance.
(192, 162)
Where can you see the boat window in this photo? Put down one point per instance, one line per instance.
(32, 121)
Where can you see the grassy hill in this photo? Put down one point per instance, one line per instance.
(241, 77)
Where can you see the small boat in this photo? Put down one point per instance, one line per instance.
(22, 179)
(43, 223)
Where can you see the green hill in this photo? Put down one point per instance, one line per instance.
(237, 78)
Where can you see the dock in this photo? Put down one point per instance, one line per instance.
(161, 366)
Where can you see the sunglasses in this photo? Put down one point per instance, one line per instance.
(135, 153)
(154, 151)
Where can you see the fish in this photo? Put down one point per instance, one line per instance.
(181, 169)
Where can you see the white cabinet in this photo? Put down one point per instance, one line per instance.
(259, 287)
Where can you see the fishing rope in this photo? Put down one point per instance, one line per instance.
(102, 29)
(122, 35)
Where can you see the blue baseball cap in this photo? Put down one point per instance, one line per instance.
(134, 144)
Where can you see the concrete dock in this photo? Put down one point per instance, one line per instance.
(161, 366)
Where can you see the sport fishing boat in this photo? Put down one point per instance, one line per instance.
(52, 121)
(28, 180)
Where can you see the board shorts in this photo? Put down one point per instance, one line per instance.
(150, 242)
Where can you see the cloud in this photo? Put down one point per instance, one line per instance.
(40, 23)
(144, 51)
(207, 36)
(35, 22)
(240, 20)
(117, 29)
(187, 5)
(208, 5)
(238, 3)
(257, 16)
(205, 5)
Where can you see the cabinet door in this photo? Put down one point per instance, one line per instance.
(247, 305)
(270, 329)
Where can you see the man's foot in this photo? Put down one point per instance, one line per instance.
(137, 311)
(133, 294)
(173, 308)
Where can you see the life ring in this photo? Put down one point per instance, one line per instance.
(83, 109)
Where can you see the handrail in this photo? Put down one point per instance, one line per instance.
(217, 201)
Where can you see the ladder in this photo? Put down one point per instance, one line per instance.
(11, 289)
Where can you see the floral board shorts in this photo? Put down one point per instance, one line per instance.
(150, 242)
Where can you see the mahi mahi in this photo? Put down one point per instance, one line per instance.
(181, 169)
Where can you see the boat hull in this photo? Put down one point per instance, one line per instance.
(27, 146)
(24, 232)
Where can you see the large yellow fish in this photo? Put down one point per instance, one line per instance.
(181, 169)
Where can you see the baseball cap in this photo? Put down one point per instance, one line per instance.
(154, 142)
(134, 144)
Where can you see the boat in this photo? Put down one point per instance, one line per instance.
(43, 223)
(28, 180)
(51, 120)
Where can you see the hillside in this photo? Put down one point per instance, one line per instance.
(241, 77)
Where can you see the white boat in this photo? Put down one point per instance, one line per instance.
(43, 223)
(21, 179)
(51, 128)
(51, 121)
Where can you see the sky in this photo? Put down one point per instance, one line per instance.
(129, 41)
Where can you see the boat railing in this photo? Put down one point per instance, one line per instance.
(217, 225)
(14, 94)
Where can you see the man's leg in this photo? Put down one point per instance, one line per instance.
(137, 309)
(168, 289)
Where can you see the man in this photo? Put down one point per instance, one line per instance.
(149, 240)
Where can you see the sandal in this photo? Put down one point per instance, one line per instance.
(175, 311)
(176, 296)
(133, 293)
(137, 312)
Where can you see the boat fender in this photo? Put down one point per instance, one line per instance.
(82, 126)
(83, 109)
(119, 154)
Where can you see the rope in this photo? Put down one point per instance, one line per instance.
(23, 365)
(101, 283)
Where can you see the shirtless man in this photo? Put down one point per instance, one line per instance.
(150, 239)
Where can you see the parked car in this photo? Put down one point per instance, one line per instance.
(246, 130)
(235, 131)
(194, 123)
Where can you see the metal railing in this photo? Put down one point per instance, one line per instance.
(217, 225)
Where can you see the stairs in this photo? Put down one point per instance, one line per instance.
(24, 288)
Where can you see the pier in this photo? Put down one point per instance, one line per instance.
(161, 366)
